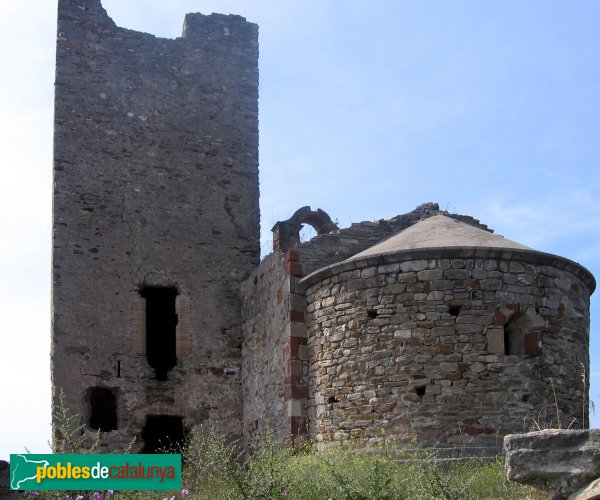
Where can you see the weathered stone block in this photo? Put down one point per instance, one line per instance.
(429, 275)
(447, 367)
(415, 265)
(294, 268)
(559, 461)
(477, 367)
(443, 330)
(495, 340)
(491, 284)
(294, 408)
(291, 256)
(369, 272)
(590, 491)
(435, 296)
(296, 391)
(441, 285)
(296, 329)
(532, 344)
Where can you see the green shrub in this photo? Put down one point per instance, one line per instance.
(216, 467)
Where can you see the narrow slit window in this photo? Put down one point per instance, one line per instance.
(102, 409)
(161, 326)
(514, 332)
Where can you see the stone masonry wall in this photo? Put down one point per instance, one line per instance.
(155, 184)
(264, 316)
(275, 356)
(414, 343)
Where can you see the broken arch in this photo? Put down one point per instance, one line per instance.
(286, 233)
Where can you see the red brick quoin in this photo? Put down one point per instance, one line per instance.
(294, 352)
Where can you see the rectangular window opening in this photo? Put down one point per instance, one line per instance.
(161, 326)
(102, 405)
(163, 434)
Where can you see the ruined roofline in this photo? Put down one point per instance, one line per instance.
(286, 234)
(195, 25)
(424, 211)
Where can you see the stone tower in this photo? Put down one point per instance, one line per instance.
(156, 221)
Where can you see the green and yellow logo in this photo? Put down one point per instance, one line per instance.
(95, 472)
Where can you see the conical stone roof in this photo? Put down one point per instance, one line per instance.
(439, 231)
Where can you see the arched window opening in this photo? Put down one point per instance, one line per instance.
(307, 233)
(523, 334)
(514, 334)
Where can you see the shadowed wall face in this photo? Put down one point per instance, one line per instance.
(156, 217)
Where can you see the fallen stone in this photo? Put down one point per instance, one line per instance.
(559, 461)
(588, 492)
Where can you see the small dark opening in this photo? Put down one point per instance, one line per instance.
(161, 323)
(454, 310)
(372, 313)
(163, 433)
(525, 398)
(420, 390)
(102, 409)
(331, 399)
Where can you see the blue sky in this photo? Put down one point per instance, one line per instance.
(367, 109)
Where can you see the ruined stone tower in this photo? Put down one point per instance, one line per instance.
(156, 221)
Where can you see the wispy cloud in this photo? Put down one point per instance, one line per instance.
(548, 225)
